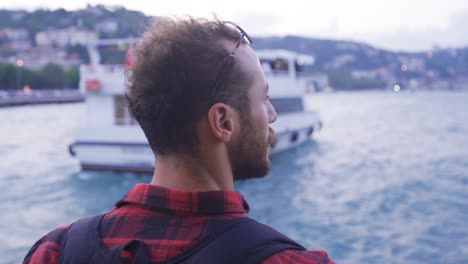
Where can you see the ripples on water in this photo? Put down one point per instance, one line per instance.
(386, 181)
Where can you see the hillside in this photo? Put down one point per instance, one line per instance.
(349, 65)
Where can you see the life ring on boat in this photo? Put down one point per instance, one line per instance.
(93, 85)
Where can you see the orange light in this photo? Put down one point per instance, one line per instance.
(20, 63)
(404, 67)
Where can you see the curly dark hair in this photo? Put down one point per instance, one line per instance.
(171, 80)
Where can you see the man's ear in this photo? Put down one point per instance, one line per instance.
(221, 120)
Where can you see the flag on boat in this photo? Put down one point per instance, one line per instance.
(129, 56)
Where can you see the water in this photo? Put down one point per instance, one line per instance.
(386, 181)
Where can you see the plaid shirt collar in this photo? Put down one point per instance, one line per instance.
(209, 202)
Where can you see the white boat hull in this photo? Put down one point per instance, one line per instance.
(101, 149)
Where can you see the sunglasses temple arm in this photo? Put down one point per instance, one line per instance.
(238, 44)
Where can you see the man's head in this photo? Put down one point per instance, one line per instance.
(175, 82)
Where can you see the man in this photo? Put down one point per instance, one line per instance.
(199, 93)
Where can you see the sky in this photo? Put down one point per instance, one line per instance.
(398, 25)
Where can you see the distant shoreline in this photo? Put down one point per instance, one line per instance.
(20, 101)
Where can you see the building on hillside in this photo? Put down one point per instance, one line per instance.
(440, 85)
(64, 37)
(340, 60)
(387, 75)
(40, 56)
(14, 39)
(108, 26)
(414, 84)
(367, 74)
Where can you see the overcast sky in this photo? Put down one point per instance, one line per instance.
(409, 25)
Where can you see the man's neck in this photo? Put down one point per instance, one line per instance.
(185, 173)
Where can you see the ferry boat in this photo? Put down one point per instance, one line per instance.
(112, 140)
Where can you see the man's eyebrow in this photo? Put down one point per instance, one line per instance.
(267, 88)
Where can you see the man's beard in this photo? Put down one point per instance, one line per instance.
(249, 154)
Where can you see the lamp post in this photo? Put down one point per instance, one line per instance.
(19, 64)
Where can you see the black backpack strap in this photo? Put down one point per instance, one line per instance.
(242, 240)
(81, 240)
(82, 244)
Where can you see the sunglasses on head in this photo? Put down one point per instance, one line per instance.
(243, 37)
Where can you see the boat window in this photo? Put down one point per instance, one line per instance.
(275, 66)
(303, 69)
(298, 66)
(121, 113)
(287, 105)
(294, 137)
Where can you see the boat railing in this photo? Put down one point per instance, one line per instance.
(102, 68)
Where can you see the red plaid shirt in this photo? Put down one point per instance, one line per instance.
(168, 222)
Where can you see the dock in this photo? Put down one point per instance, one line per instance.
(19, 98)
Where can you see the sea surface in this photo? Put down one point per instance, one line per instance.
(385, 181)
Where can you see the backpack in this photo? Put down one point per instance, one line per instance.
(240, 240)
